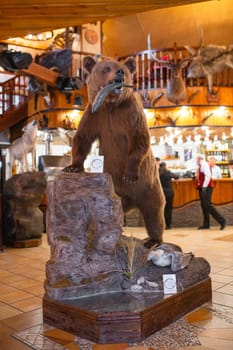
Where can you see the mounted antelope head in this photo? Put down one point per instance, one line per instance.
(209, 60)
(176, 89)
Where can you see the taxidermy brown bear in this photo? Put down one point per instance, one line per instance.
(115, 117)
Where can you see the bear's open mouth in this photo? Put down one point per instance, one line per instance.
(119, 86)
(114, 86)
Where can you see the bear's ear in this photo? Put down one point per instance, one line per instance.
(88, 63)
(131, 64)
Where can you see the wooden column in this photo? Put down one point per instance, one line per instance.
(2, 180)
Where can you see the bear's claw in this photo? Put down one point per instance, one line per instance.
(73, 169)
(149, 243)
(130, 178)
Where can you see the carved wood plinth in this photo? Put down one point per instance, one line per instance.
(27, 243)
(123, 317)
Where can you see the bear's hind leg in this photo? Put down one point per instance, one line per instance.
(152, 210)
(126, 204)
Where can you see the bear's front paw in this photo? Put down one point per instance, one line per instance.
(73, 169)
(131, 173)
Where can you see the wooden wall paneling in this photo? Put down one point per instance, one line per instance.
(225, 97)
(184, 192)
(223, 191)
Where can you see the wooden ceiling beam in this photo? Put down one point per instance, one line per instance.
(21, 17)
(56, 3)
(113, 9)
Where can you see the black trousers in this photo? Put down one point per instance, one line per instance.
(168, 208)
(208, 209)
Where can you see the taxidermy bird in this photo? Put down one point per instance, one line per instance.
(169, 255)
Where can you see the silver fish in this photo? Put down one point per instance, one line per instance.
(104, 92)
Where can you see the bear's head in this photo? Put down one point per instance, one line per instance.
(109, 73)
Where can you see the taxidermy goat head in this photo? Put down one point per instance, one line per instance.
(209, 60)
(176, 89)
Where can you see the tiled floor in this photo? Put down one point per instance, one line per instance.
(22, 277)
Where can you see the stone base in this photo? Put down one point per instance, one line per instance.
(123, 317)
(27, 243)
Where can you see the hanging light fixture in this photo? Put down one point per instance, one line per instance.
(40, 36)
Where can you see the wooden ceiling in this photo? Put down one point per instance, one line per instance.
(21, 17)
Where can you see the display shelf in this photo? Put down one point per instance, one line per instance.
(217, 150)
(221, 156)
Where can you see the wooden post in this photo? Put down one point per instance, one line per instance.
(2, 180)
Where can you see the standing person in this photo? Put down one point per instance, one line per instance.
(215, 169)
(204, 184)
(166, 182)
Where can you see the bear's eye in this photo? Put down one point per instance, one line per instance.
(106, 69)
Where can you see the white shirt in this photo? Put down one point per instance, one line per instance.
(205, 169)
(216, 172)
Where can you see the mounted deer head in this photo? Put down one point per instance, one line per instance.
(176, 89)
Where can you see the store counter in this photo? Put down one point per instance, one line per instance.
(185, 192)
(186, 205)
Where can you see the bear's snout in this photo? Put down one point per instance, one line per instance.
(119, 77)
(120, 73)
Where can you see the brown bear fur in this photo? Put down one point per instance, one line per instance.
(121, 127)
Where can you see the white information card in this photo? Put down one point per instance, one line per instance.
(96, 164)
(169, 284)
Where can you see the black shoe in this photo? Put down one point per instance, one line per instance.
(203, 227)
(223, 225)
(168, 227)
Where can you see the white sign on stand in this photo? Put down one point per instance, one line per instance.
(96, 164)
(169, 284)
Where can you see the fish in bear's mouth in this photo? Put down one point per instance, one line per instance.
(119, 86)
(115, 86)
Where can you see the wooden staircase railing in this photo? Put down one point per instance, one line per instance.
(13, 99)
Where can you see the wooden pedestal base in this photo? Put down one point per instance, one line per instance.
(123, 317)
(27, 243)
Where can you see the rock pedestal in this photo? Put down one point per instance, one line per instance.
(99, 284)
(84, 224)
(23, 220)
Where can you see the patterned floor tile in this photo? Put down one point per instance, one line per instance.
(72, 346)
(14, 296)
(35, 339)
(122, 346)
(228, 238)
(215, 246)
(199, 315)
(227, 289)
(223, 299)
(59, 336)
(227, 272)
(226, 334)
(216, 344)
(178, 335)
(28, 304)
(140, 348)
(7, 311)
(221, 278)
